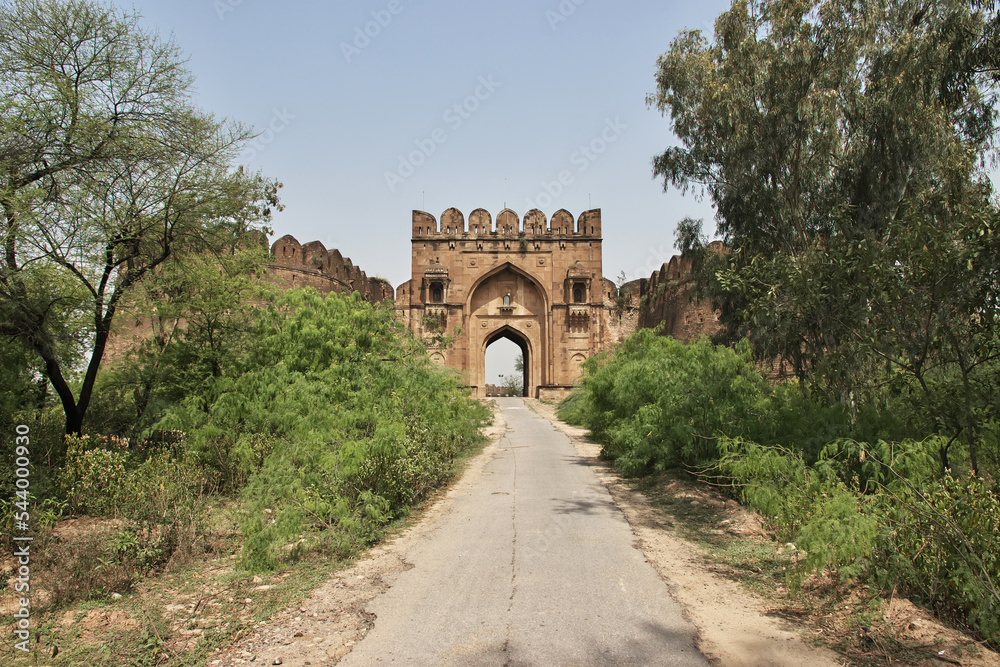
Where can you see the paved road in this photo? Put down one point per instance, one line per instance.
(532, 564)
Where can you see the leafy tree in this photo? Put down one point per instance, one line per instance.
(806, 120)
(843, 145)
(106, 170)
(202, 313)
(512, 384)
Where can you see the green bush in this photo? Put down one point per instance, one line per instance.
(155, 511)
(881, 509)
(92, 475)
(810, 505)
(338, 422)
(163, 504)
(574, 408)
(941, 542)
(657, 403)
(158, 500)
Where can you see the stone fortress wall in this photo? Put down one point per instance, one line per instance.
(665, 302)
(554, 255)
(312, 265)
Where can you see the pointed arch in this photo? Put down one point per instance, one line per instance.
(520, 339)
(535, 282)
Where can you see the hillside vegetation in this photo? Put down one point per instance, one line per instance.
(325, 423)
(845, 148)
(859, 489)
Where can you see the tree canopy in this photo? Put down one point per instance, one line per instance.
(845, 147)
(107, 169)
(810, 120)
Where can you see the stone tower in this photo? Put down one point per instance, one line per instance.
(536, 282)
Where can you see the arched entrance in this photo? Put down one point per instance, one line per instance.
(515, 337)
(507, 302)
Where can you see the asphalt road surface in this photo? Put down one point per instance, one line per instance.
(531, 564)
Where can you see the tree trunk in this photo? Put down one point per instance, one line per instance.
(74, 418)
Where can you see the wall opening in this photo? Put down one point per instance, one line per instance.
(505, 352)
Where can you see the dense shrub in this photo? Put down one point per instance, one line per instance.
(151, 510)
(574, 408)
(941, 541)
(845, 482)
(339, 421)
(90, 479)
(658, 403)
(882, 510)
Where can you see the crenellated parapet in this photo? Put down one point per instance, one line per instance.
(312, 265)
(534, 224)
(665, 301)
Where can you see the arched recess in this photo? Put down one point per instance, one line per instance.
(507, 266)
(508, 299)
(513, 335)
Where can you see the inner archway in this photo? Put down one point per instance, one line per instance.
(504, 368)
(501, 350)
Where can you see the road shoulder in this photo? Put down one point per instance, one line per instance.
(325, 626)
(733, 625)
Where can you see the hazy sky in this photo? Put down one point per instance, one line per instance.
(372, 109)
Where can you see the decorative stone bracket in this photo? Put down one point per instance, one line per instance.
(579, 316)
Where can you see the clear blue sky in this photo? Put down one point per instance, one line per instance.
(349, 89)
(556, 77)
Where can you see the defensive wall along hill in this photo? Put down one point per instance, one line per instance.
(536, 281)
(312, 265)
(292, 265)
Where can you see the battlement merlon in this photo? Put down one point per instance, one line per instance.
(295, 264)
(533, 225)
